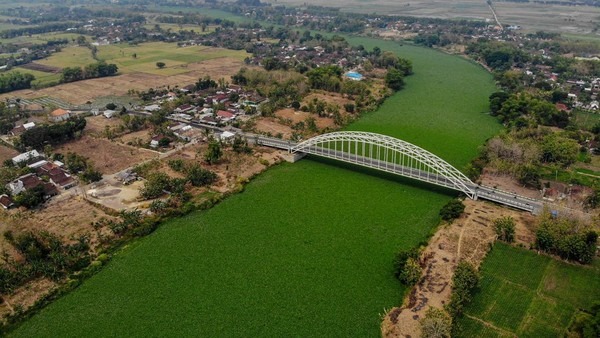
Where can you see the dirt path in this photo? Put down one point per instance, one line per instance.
(467, 238)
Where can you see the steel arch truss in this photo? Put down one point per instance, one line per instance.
(387, 154)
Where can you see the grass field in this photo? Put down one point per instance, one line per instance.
(148, 54)
(72, 56)
(528, 295)
(305, 250)
(41, 78)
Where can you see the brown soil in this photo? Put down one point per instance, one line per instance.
(41, 68)
(82, 91)
(7, 153)
(108, 157)
(96, 125)
(271, 125)
(467, 238)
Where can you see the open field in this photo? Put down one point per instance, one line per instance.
(41, 38)
(80, 92)
(108, 157)
(529, 295)
(305, 250)
(143, 57)
(531, 16)
(72, 56)
(7, 153)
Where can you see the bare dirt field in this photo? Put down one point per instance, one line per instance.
(271, 125)
(108, 157)
(41, 68)
(80, 92)
(467, 238)
(7, 153)
(95, 125)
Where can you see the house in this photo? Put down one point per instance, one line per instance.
(594, 105)
(60, 115)
(6, 202)
(225, 116)
(56, 175)
(209, 120)
(186, 108)
(28, 156)
(109, 113)
(126, 176)
(60, 178)
(152, 108)
(95, 112)
(562, 107)
(18, 130)
(155, 141)
(226, 136)
(30, 181)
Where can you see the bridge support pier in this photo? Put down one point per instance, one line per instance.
(293, 157)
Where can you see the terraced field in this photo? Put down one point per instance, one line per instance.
(528, 295)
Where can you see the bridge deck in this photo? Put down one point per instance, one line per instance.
(478, 191)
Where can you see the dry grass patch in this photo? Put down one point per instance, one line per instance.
(108, 157)
(7, 153)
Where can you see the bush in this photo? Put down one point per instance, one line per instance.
(505, 229)
(406, 266)
(436, 324)
(452, 210)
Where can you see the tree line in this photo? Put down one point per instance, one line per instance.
(91, 71)
(41, 135)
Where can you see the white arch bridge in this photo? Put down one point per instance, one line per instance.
(398, 157)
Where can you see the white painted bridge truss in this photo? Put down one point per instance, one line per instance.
(387, 154)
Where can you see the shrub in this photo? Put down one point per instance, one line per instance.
(452, 210)
(406, 266)
(436, 324)
(505, 229)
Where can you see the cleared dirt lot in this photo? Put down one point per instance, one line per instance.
(108, 157)
(7, 153)
(80, 92)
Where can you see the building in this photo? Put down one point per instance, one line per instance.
(109, 113)
(26, 157)
(60, 115)
(6, 202)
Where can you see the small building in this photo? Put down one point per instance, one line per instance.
(109, 113)
(126, 176)
(6, 202)
(152, 108)
(60, 115)
(26, 157)
(226, 136)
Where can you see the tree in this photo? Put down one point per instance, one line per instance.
(111, 106)
(505, 229)
(465, 280)
(394, 79)
(214, 152)
(436, 324)
(160, 64)
(452, 210)
(155, 185)
(199, 176)
(559, 149)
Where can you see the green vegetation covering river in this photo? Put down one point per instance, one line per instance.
(306, 249)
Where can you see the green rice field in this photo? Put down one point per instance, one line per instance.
(305, 250)
(528, 295)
